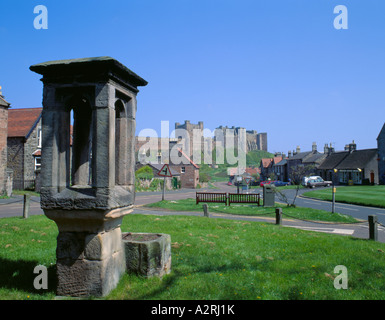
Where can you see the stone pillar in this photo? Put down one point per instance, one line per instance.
(88, 190)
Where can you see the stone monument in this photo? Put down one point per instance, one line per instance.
(88, 179)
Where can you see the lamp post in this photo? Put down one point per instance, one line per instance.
(360, 171)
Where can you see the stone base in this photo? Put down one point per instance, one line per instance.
(90, 254)
(89, 264)
(147, 254)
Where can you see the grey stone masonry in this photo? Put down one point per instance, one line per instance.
(88, 191)
(94, 89)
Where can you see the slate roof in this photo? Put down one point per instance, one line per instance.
(282, 162)
(21, 122)
(315, 158)
(333, 160)
(300, 155)
(357, 159)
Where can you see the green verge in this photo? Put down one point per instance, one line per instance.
(372, 196)
(253, 210)
(211, 259)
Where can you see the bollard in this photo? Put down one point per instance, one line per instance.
(26, 206)
(278, 216)
(373, 234)
(205, 210)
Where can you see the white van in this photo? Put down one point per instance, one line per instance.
(305, 179)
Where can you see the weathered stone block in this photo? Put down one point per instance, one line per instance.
(148, 254)
(79, 278)
(100, 246)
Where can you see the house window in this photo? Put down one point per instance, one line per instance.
(183, 170)
(37, 163)
(39, 137)
(357, 177)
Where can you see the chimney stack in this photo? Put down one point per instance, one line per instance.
(352, 146)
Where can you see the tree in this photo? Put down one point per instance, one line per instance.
(296, 175)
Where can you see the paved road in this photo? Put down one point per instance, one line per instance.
(14, 207)
(358, 212)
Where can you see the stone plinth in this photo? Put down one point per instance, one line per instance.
(147, 254)
(89, 253)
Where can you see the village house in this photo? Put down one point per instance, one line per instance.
(171, 182)
(267, 166)
(280, 170)
(308, 160)
(24, 146)
(4, 106)
(189, 171)
(185, 167)
(351, 166)
(327, 167)
(359, 167)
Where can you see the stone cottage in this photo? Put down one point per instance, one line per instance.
(24, 145)
(359, 167)
(350, 166)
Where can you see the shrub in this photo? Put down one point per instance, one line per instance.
(204, 177)
(144, 173)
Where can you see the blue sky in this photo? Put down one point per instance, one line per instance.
(273, 66)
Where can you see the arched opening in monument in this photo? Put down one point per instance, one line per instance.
(81, 155)
(120, 149)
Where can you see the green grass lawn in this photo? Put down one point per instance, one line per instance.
(211, 259)
(253, 210)
(362, 195)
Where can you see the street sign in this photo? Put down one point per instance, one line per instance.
(165, 171)
(247, 180)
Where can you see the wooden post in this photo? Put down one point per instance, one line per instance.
(278, 216)
(205, 210)
(164, 188)
(373, 234)
(26, 206)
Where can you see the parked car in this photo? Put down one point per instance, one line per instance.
(266, 182)
(280, 183)
(306, 179)
(318, 182)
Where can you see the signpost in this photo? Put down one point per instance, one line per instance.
(247, 180)
(164, 172)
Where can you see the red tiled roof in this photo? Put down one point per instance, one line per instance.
(21, 121)
(253, 170)
(277, 159)
(266, 162)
